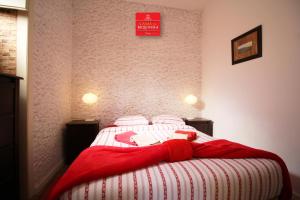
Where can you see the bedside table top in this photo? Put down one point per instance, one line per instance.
(79, 122)
(196, 119)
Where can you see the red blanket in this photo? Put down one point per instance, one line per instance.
(103, 161)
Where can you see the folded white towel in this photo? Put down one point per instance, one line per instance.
(144, 140)
(179, 136)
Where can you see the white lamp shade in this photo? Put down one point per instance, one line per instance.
(89, 98)
(191, 99)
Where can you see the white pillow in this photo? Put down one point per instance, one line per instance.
(131, 120)
(167, 119)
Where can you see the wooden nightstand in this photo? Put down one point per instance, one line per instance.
(78, 136)
(203, 125)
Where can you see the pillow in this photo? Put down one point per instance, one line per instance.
(167, 119)
(131, 120)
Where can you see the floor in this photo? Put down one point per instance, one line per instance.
(42, 194)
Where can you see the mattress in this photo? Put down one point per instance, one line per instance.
(191, 179)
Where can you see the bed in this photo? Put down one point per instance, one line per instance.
(190, 179)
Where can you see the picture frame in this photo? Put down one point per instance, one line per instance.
(247, 46)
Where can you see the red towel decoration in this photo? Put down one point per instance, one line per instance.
(103, 161)
(191, 135)
(125, 137)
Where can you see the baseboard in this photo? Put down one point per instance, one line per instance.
(48, 178)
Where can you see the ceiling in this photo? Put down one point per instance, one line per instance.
(180, 4)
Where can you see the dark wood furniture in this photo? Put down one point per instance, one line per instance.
(201, 124)
(78, 136)
(9, 151)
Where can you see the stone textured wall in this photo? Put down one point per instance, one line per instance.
(131, 74)
(148, 75)
(8, 41)
(50, 63)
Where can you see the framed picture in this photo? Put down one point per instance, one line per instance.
(247, 46)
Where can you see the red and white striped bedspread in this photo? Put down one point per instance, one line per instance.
(193, 179)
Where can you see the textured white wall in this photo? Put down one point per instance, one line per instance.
(50, 63)
(255, 102)
(147, 75)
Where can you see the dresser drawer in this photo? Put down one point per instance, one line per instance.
(7, 98)
(8, 189)
(6, 164)
(9, 102)
(6, 130)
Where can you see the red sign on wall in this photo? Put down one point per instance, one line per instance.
(147, 24)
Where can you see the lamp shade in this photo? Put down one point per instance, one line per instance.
(190, 99)
(89, 98)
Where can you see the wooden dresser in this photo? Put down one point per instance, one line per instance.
(9, 101)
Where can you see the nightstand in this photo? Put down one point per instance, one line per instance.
(203, 125)
(78, 136)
